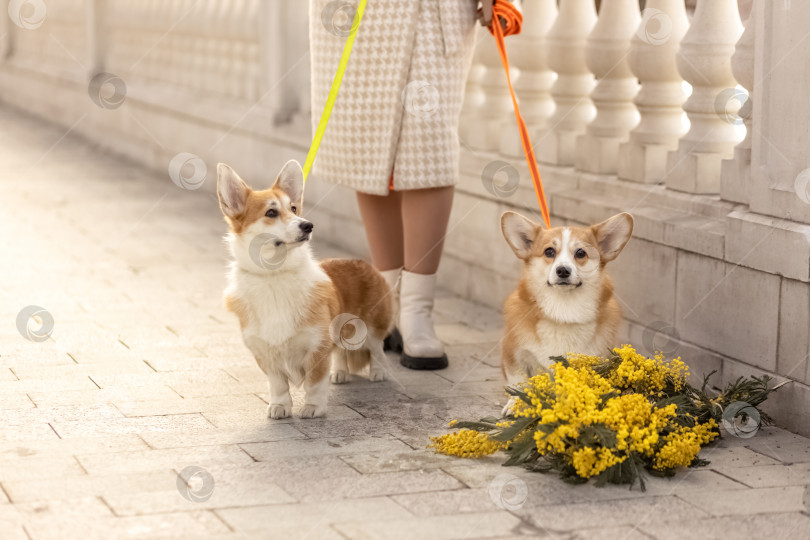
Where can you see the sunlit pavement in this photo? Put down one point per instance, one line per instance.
(131, 409)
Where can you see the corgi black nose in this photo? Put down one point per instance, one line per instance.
(563, 272)
(306, 226)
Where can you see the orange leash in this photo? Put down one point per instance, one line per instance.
(508, 15)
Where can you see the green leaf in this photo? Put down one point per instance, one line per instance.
(477, 426)
(521, 452)
(511, 432)
(598, 433)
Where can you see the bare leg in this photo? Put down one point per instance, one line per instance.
(425, 215)
(382, 218)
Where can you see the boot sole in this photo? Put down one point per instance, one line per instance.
(423, 363)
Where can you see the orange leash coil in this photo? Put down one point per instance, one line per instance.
(506, 21)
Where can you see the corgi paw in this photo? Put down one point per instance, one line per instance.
(377, 375)
(313, 411)
(339, 377)
(277, 411)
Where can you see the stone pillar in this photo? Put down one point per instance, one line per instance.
(496, 105)
(533, 87)
(607, 53)
(567, 40)
(736, 172)
(653, 53)
(704, 60)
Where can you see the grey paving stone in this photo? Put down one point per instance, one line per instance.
(439, 503)
(750, 501)
(783, 526)
(483, 525)
(794, 452)
(179, 405)
(84, 413)
(224, 494)
(131, 425)
(309, 447)
(734, 456)
(612, 533)
(260, 433)
(371, 485)
(107, 395)
(31, 431)
(610, 513)
(397, 461)
(199, 524)
(55, 447)
(769, 475)
(310, 517)
(96, 485)
(167, 458)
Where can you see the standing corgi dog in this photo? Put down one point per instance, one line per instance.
(564, 301)
(293, 311)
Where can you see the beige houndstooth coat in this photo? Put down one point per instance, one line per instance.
(399, 104)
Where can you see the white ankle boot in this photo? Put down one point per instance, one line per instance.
(422, 348)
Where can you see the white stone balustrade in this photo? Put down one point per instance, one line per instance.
(736, 172)
(496, 104)
(565, 50)
(652, 59)
(704, 60)
(607, 57)
(527, 53)
(206, 46)
(56, 42)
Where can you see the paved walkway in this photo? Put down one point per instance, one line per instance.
(144, 377)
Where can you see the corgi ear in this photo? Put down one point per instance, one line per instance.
(519, 232)
(291, 180)
(613, 234)
(232, 191)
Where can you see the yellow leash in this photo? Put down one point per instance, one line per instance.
(330, 101)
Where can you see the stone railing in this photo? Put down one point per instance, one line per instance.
(677, 113)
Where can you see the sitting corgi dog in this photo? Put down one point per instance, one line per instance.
(293, 311)
(564, 301)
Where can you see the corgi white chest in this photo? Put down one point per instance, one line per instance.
(278, 305)
(558, 339)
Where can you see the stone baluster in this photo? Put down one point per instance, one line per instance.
(607, 57)
(704, 60)
(565, 50)
(736, 175)
(533, 87)
(497, 104)
(653, 59)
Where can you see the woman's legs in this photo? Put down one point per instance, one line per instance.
(425, 215)
(407, 228)
(382, 218)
